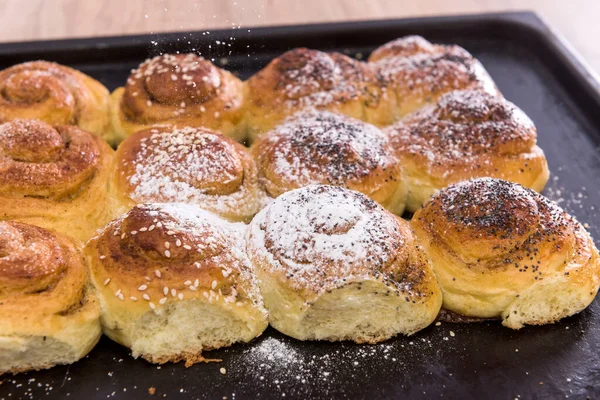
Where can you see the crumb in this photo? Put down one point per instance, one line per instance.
(452, 333)
(586, 225)
(152, 390)
(438, 323)
(223, 371)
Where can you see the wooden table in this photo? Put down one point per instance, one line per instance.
(21, 20)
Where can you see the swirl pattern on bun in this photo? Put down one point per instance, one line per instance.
(500, 250)
(334, 265)
(467, 134)
(182, 90)
(187, 165)
(174, 280)
(49, 315)
(320, 147)
(55, 94)
(54, 177)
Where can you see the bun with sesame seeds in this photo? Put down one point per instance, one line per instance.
(173, 281)
(334, 265)
(55, 177)
(55, 94)
(467, 134)
(187, 165)
(181, 90)
(415, 73)
(304, 78)
(48, 311)
(500, 250)
(315, 147)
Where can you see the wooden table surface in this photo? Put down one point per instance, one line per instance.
(21, 20)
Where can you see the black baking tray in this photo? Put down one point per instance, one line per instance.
(532, 67)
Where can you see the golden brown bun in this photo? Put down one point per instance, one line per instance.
(187, 165)
(54, 177)
(467, 134)
(55, 94)
(304, 78)
(501, 250)
(182, 90)
(334, 265)
(322, 147)
(49, 314)
(415, 72)
(173, 280)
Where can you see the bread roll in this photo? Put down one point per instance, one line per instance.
(182, 90)
(467, 134)
(49, 314)
(500, 250)
(173, 280)
(187, 165)
(55, 94)
(54, 177)
(322, 147)
(334, 265)
(415, 72)
(304, 78)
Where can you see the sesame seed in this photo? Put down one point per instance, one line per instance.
(162, 301)
(452, 333)
(178, 243)
(180, 296)
(133, 232)
(223, 370)
(165, 290)
(157, 273)
(196, 282)
(187, 247)
(192, 288)
(158, 224)
(147, 278)
(106, 281)
(142, 287)
(151, 228)
(167, 253)
(115, 233)
(102, 257)
(144, 229)
(123, 235)
(167, 245)
(118, 292)
(187, 283)
(133, 298)
(121, 297)
(239, 304)
(152, 306)
(173, 292)
(170, 233)
(213, 284)
(146, 297)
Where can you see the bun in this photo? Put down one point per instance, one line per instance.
(54, 177)
(322, 147)
(467, 134)
(173, 280)
(55, 94)
(501, 250)
(182, 90)
(304, 78)
(334, 265)
(415, 72)
(187, 165)
(49, 315)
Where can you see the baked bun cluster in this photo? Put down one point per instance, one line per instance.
(49, 314)
(315, 147)
(187, 165)
(173, 281)
(339, 146)
(500, 250)
(334, 265)
(54, 177)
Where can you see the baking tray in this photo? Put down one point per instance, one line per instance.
(533, 68)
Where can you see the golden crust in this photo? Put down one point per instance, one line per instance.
(54, 177)
(187, 165)
(467, 134)
(321, 147)
(183, 90)
(44, 290)
(304, 78)
(418, 73)
(55, 94)
(492, 241)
